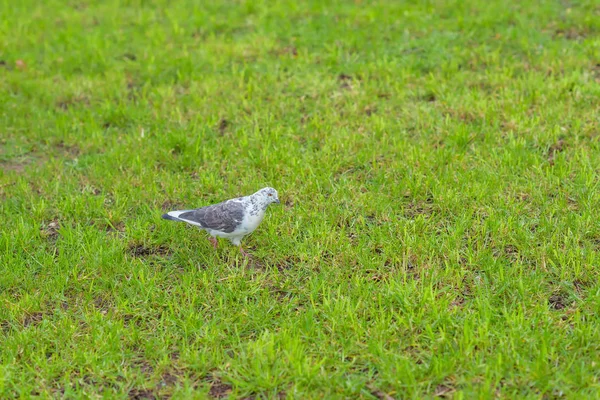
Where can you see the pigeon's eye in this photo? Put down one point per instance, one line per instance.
(270, 195)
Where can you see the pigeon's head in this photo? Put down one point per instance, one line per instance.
(267, 195)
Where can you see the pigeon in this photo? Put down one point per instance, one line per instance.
(232, 219)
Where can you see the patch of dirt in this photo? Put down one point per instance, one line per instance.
(93, 190)
(508, 126)
(378, 249)
(291, 50)
(199, 34)
(411, 265)
(33, 319)
(253, 261)
(58, 392)
(131, 319)
(444, 391)
(556, 148)
(483, 86)
(223, 124)
(580, 285)
(219, 389)
(572, 204)
(168, 379)
(89, 380)
(379, 394)
(68, 102)
(512, 253)
(327, 256)
(144, 366)
(374, 219)
(115, 227)
(139, 250)
(522, 196)
(572, 33)
(353, 237)
(141, 394)
(289, 202)
(370, 110)
(287, 50)
(279, 396)
(458, 302)
(596, 72)
(345, 81)
(17, 165)
(133, 91)
(50, 229)
(379, 276)
(390, 263)
(419, 207)
(70, 149)
(429, 97)
(102, 304)
(288, 263)
(5, 326)
(595, 240)
(558, 301)
(466, 116)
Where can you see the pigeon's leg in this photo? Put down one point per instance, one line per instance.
(214, 241)
(237, 241)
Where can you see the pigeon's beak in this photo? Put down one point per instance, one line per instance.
(277, 201)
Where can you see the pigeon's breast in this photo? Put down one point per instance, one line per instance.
(251, 221)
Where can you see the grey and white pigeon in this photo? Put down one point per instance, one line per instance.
(232, 219)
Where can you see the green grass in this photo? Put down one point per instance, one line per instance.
(438, 165)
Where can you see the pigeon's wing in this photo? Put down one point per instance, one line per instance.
(222, 217)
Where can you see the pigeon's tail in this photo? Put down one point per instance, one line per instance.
(170, 217)
(174, 215)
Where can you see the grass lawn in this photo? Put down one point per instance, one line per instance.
(437, 163)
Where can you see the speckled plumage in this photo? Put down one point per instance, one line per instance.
(232, 219)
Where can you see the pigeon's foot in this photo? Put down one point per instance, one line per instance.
(247, 255)
(214, 242)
